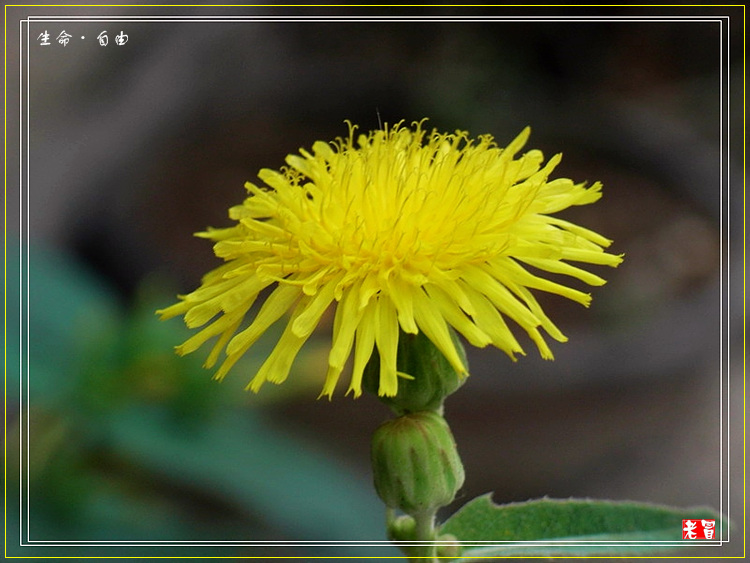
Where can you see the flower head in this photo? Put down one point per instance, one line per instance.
(402, 229)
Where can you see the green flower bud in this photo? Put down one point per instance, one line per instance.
(415, 463)
(428, 380)
(402, 528)
(449, 546)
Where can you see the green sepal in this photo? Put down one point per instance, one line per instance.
(427, 377)
(570, 527)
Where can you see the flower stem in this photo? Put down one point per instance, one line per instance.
(425, 532)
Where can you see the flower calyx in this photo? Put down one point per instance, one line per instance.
(416, 467)
(426, 376)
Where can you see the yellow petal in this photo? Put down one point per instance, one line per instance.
(489, 320)
(431, 322)
(400, 294)
(364, 343)
(499, 295)
(272, 310)
(276, 367)
(456, 318)
(308, 319)
(345, 323)
(386, 338)
(558, 267)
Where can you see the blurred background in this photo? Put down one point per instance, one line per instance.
(134, 147)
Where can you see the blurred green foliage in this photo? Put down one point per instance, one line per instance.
(115, 438)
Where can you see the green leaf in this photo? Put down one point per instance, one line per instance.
(569, 528)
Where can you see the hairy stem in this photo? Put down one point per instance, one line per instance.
(425, 532)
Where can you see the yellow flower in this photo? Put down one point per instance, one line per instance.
(404, 229)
